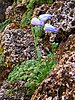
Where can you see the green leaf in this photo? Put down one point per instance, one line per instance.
(4, 24)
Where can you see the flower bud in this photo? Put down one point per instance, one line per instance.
(45, 17)
(37, 22)
(50, 28)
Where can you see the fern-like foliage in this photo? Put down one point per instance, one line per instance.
(33, 72)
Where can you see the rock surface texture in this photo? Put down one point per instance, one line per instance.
(18, 45)
(63, 12)
(13, 91)
(3, 5)
(63, 17)
(15, 12)
(60, 83)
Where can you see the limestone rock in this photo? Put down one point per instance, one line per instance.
(63, 12)
(3, 5)
(15, 13)
(18, 45)
(60, 83)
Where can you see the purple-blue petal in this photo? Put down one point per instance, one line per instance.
(50, 28)
(45, 17)
(37, 22)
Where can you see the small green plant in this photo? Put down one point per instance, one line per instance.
(39, 28)
(54, 45)
(1, 60)
(26, 18)
(33, 72)
(37, 31)
(4, 24)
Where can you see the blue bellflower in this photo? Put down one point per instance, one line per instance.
(37, 22)
(45, 17)
(50, 28)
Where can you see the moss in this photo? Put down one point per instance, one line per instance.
(9, 94)
(1, 50)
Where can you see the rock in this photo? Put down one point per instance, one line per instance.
(13, 91)
(15, 13)
(63, 17)
(41, 10)
(3, 5)
(18, 45)
(60, 83)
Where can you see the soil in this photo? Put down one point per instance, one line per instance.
(3, 74)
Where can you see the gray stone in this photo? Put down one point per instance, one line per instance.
(3, 5)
